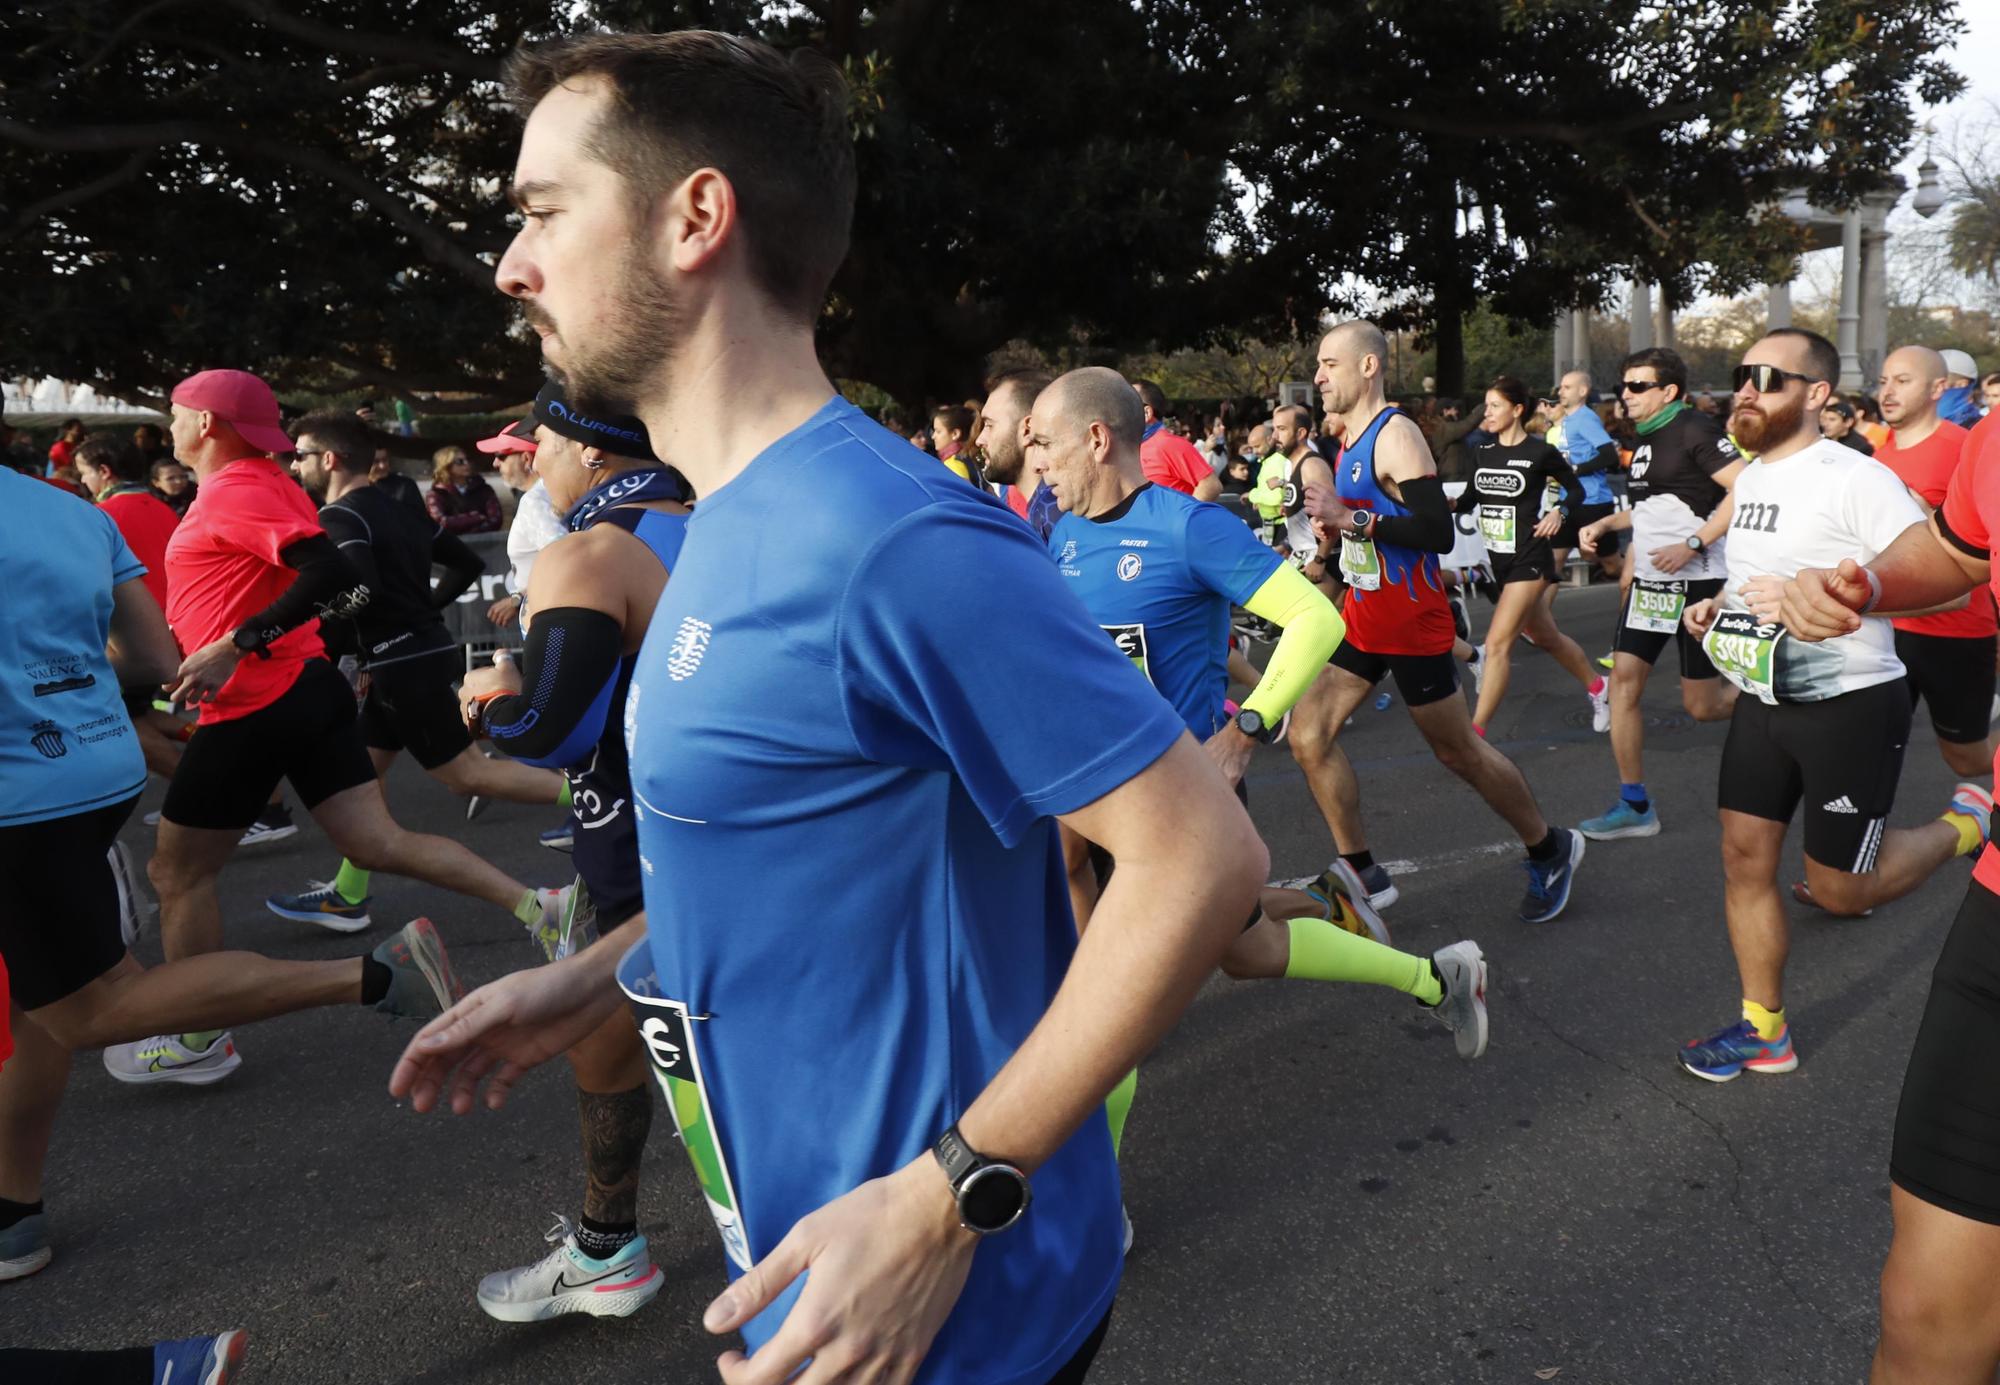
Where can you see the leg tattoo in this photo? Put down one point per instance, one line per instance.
(615, 1126)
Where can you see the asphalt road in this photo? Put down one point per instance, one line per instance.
(1322, 1191)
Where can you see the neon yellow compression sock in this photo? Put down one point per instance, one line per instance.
(529, 910)
(1118, 1106)
(350, 882)
(1323, 951)
(200, 1039)
(562, 794)
(1769, 1024)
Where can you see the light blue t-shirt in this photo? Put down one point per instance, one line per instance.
(68, 745)
(1159, 573)
(862, 698)
(1582, 434)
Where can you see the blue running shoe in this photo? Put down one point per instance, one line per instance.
(199, 1360)
(560, 838)
(1549, 882)
(1382, 702)
(1724, 1055)
(24, 1247)
(1621, 821)
(322, 904)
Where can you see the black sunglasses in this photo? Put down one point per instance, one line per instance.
(1768, 379)
(1641, 386)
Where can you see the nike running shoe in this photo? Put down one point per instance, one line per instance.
(24, 1247)
(274, 824)
(135, 908)
(1549, 881)
(1606, 661)
(1622, 821)
(324, 905)
(568, 1281)
(1600, 707)
(568, 923)
(1969, 800)
(165, 1058)
(560, 838)
(1476, 666)
(1724, 1055)
(1461, 624)
(423, 985)
(1462, 1010)
(1383, 700)
(1343, 894)
(199, 1360)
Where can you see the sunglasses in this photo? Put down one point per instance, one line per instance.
(1641, 386)
(1767, 379)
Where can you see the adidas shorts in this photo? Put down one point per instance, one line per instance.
(1840, 757)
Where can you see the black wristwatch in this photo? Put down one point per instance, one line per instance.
(1253, 726)
(1359, 524)
(1694, 542)
(991, 1196)
(250, 641)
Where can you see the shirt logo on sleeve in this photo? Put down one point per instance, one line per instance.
(1129, 566)
(690, 644)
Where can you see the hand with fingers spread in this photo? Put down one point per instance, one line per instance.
(502, 1030)
(1823, 603)
(887, 1262)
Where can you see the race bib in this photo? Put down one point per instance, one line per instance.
(1360, 564)
(1745, 652)
(1656, 606)
(667, 1032)
(1131, 642)
(1496, 527)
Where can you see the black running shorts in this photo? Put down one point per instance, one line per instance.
(1947, 1145)
(1420, 678)
(1535, 564)
(308, 736)
(1955, 676)
(1841, 756)
(411, 705)
(1631, 636)
(59, 931)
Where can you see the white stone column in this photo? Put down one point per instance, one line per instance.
(1579, 357)
(1778, 311)
(1565, 326)
(1642, 314)
(1850, 300)
(1663, 328)
(1874, 325)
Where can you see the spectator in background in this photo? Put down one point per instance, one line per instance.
(1167, 459)
(62, 452)
(1989, 390)
(1868, 420)
(1706, 404)
(1959, 403)
(1451, 441)
(114, 473)
(173, 484)
(536, 524)
(1236, 477)
(460, 500)
(386, 476)
(1836, 422)
(152, 445)
(951, 434)
(15, 454)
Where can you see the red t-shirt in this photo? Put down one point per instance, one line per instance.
(1017, 502)
(1171, 461)
(147, 522)
(1971, 511)
(1927, 469)
(62, 485)
(60, 453)
(223, 567)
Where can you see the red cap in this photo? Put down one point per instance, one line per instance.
(242, 401)
(518, 436)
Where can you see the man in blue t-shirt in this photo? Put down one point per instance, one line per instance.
(890, 1067)
(1580, 435)
(1159, 571)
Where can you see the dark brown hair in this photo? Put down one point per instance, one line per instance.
(115, 455)
(343, 436)
(956, 418)
(1665, 363)
(774, 123)
(1515, 392)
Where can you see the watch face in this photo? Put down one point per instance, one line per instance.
(992, 1198)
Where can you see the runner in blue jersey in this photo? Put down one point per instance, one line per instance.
(590, 599)
(888, 1060)
(1159, 571)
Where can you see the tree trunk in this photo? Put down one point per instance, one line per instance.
(1450, 295)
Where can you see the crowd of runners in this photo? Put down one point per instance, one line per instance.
(1029, 680)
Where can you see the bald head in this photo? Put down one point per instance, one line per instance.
(1912, 379)
(1094, 394)
(1360, 337)
(1353, 358)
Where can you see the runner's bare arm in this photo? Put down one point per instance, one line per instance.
(141, 647)
(1920, 569)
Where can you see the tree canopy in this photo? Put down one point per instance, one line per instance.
(311, 188)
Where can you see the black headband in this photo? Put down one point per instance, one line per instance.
(618, 434)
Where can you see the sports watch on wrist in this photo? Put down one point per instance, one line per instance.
(991, 1196)
(1253, 725)
(250, 641)
(1359, 523)
(1695, 543)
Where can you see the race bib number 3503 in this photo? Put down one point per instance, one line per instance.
(1656, 606)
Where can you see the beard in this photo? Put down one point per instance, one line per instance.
(1004, 461)
(1758, 430)
(628, 362)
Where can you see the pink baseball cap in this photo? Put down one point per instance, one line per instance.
(518, 436)
(241, 400)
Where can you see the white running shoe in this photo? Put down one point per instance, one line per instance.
(1125, 1212)
(164, 1058)
(135, 908)
(1600, 707)
(568, 1281)
(1476, 666)
(1462, 968)
(568, 923)
(152, 819)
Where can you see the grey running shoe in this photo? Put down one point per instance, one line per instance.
(1462, 1010)
(24, 1247)
(568, 1281)
(424, 985)
(168, 1058)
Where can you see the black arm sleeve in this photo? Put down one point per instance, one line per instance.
(1565, 476)
(567, 673)
(464, 568)
(1428, 526)
(328, 586)
(1603, 459)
